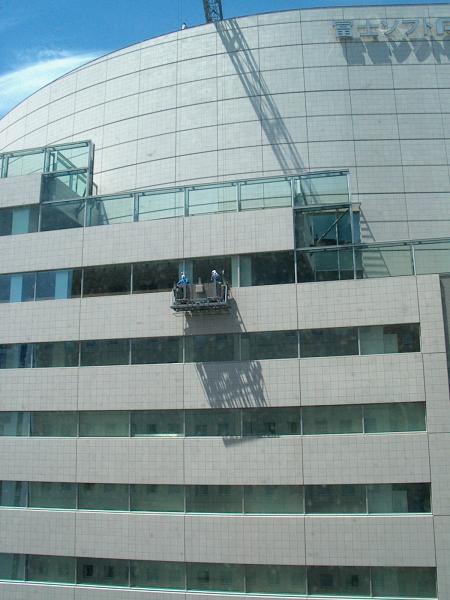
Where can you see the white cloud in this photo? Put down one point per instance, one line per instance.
(18, 84)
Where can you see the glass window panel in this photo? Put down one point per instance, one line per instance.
(65, 158)
(5, 288)
(215, 577)
(335, 499)
(12, 567)
(102, 496)
(15, 423)
(110, 210)
(269, 344)
(214, 499)
(210, 348)
(267, 268)
(271, 421)
(156, 350)
(56, 354)
(399, 498)
(66, 215)
(161, 205)
(332, 419)
(105, 352)
(53, 495)
(432, 257)
(341, 341)
(157, 497)
(155, 276)
(338, 581)
(325, 265)
(213, 422)
(22, 219)
(58, 284)
(25, 164)
(109, 423)
(202, 268)
(157, 422)
(102, 571)
(265, 194)
(54, 423)
(402, 416)
(320, 189)
(158, 575)
(402, 582)
(13, 493)
(16, 356)
(273, 499)
(386, 339)
(22, 287)
(385, 261)
(67, 186)
(5, 221)
(212, 199)
(271, 579)
(101, 281)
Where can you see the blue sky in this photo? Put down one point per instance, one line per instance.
(43, 39)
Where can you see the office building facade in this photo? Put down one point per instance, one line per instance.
(291, 437)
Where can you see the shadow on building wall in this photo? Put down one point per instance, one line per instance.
(392, 52)
(260, 96)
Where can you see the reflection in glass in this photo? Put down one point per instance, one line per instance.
(14, 423)
(160, 205)
(384, 261)
(155, 276)
(12, 567)
(110, 210)
(267, 268)
(16, 356)
(270, 422)
(102, 281)
(212, 199)
(25, 164)
(404, 582)
(269, 344)
(156, 422)
(64, 215)
(156, 350)
(105, 352)
(202, 267)
(109, 423)
(56, 354)
(208, 348)
(399, 498)
(433, 257)
(265, 194)
(102, 571)
(401, 416)
(215, 577)
(325, 265)
(58, 284)
(342, 341)
(20, 219)
(54, 423)
(321, 189)
(13, 493)
(68, 157)
(335, 499)
(338, 581)
(385, 339)
(279, 579)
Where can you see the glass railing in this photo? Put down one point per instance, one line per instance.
(67, 168)
(366, 261)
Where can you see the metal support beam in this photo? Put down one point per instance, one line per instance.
(213, 10)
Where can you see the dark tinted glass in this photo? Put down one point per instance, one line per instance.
(155, 276)
(158, 575)
(213, 422)
(22, 287)
(5, 288)
(156, 350)
(56, 354)
(207, 348)
(22, 219)
(332, 419)
(66, 215)
(402, 416)
(5, 221)
(58, 569)
(328, 342)
(271, 579)
(107, 423)
(53, 495)
(271, 421)
(202, 267)
(54, 423)
(15, 356)
(214, 499)
(269, 344)
(220, 577)
(102, 571)
(12, 566)
(338, 581)
(14, 423)
(157, 422)
(13, 493)
(325, 265)
(386, 339)
(268, 268)
(273, 499)
(156, 497)
(58, 284)
(101, 281)
(333, 499)
(404, 582)
(105, 352)
(399, 498)
(102, 496)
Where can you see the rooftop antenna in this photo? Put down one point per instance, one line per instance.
(213, 10)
